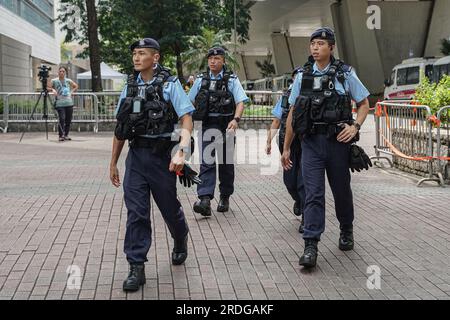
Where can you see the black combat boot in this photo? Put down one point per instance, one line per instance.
(309, 257)
(136, 278)
(346, 242)
(297, 209)
(224, 204)
(203, 206)
(180, 251)
(301, 229)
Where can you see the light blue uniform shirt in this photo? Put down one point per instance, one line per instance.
(234, 85)
(277, 111)
(172, 91)
(352, 84)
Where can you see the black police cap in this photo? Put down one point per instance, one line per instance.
(145, 43)
(325, 34)
(216, 51)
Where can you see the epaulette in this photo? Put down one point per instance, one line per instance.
(297, 70)
(172, 79)
(346, 68)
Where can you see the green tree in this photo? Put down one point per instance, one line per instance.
(171, 22)
(66, 54)
(219, 15)
(445, 48)
(195, 58)
(80, 23)
(168, 21)
(94, 45)
(266, 68)
(118, 30)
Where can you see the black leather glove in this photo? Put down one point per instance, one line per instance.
(359, 160)
(188, 177)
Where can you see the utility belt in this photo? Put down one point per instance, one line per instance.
(218, 120)
(331, 130)
(161, 146)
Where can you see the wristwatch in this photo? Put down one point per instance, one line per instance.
(357, 126)
(237, 119)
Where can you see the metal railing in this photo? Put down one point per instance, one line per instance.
(258, 108)
(107, 103)
(443, 138)
(403, 130)
(261, 104)
(100, 107)
(19, 106)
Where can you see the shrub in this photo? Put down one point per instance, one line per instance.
(435, 95)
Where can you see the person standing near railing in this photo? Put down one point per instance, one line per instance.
(219, 100)
(63, 87)
(292, 178)
(322, 117)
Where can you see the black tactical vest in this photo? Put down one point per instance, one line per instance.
(214, 99)
(149, 116)
(327, 105)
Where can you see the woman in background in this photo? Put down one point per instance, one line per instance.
(63, 88)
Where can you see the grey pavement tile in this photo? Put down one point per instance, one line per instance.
(250, 252)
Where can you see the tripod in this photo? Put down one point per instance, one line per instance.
(45, 95)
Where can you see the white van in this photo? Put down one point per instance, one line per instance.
(405, 77)
(441, 68)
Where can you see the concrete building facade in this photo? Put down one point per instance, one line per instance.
(27, 40)
(372, 36)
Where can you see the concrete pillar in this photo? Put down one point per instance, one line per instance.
(252, 70)
(374, 53)
(241, 72)
(439, 28)
(357, 44)
(399, 39)
(281, 53)
(299, 49)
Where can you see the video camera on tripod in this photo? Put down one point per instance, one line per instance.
(43, 75)
(43, 78)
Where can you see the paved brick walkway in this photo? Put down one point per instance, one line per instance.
(57, 208)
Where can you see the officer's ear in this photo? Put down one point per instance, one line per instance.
(156, 56)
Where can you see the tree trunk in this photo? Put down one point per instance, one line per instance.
(179, 64)
(94, 46)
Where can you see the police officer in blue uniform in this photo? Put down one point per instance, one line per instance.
(292, 178)
(219, 99)
(322, 116)
(150, 107)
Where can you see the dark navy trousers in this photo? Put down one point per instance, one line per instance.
(215, 142)
(65, 115)
(148, 173)
(293, 178)
(320, 155)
